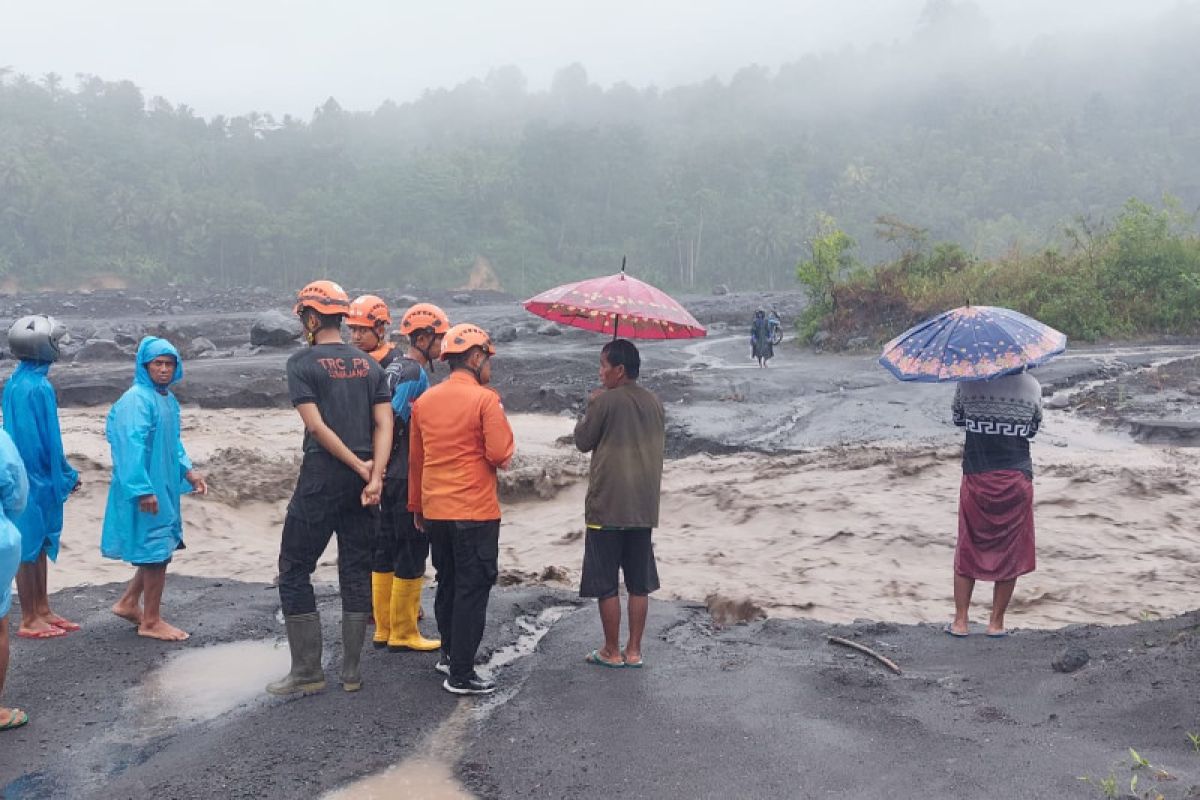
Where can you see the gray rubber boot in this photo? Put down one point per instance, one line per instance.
(304, 640)
(354, 633)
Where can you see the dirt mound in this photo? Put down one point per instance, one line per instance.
(726, 611)
(541, 477)
(237, 476)
(483, 276)
(516, 577)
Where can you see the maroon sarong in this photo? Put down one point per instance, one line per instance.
(995, 526)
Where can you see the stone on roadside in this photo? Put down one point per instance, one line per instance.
(505, 334)
(1057, 402)
(720, 290)
(549, 329)
(820, 338)
(1070, 659)
(200, 347)
(102, 350)
(275, 329)
(858, 343)
(462, 299)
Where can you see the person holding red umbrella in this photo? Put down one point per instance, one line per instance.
(624, 428)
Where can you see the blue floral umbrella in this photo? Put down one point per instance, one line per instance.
(973, 343)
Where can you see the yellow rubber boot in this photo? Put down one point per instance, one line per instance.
(381, 604)
(406, 602)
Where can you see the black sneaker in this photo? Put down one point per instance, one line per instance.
(443, 664)
(472, 685)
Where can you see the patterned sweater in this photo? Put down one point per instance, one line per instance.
(1000, 416)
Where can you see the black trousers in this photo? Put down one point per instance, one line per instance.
(327, 502)
(465, 556)
(399, 546)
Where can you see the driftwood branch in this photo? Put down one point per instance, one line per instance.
(862, 648)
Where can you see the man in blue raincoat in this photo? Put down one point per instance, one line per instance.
(151, 471)
(31, 419)
(14, 489)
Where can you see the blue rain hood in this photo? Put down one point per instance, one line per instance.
(143, 432)
(151, 348)
(31, 419)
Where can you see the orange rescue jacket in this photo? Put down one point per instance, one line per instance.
(458, 437)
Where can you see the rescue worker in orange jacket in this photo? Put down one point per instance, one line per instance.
(459, 438)
(398, 562)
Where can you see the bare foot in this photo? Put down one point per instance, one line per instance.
(162, 630)
(131, 613)
(39, 630)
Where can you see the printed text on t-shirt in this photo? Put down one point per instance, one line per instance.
(337, 368)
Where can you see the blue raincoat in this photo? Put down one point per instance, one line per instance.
(31, 419)
(14, 490)
(148, 458)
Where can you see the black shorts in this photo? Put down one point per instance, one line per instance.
(607, 551)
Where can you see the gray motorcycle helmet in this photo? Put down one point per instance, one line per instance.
(37, 338)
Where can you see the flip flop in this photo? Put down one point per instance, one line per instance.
(594, 658)
(66, 625)
(16, 720)
(636, 664)
(998, 635)
(951, 632)
(52, 633)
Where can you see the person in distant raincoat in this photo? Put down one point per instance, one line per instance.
(14, 490)
(761, 346)
(151, 471)
(31, 419)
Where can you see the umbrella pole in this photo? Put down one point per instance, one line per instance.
(616, 324)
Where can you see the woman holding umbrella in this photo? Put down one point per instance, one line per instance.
(987, 351)
(995, 499)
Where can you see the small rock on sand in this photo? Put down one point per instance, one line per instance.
(102, 350)
(727, 611)
(1070, 659)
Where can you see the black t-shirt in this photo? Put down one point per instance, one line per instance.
(986, 452)
(345, 383)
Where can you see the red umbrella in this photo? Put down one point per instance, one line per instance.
(618, 303)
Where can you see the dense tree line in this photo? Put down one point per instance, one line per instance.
(1139, 274)
(989, 147)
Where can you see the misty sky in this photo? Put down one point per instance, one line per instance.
(281, 56)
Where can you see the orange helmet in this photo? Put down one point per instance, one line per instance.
(422, 317)
(324, 297)
(463, 337)
(368, 311)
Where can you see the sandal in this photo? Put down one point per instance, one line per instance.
(16, 718)
(595, 658)
(65, 625)
(50, 633)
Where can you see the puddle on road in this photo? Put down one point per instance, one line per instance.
(415, 779)
(533, 629)
(204, 683)
(428, 774)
